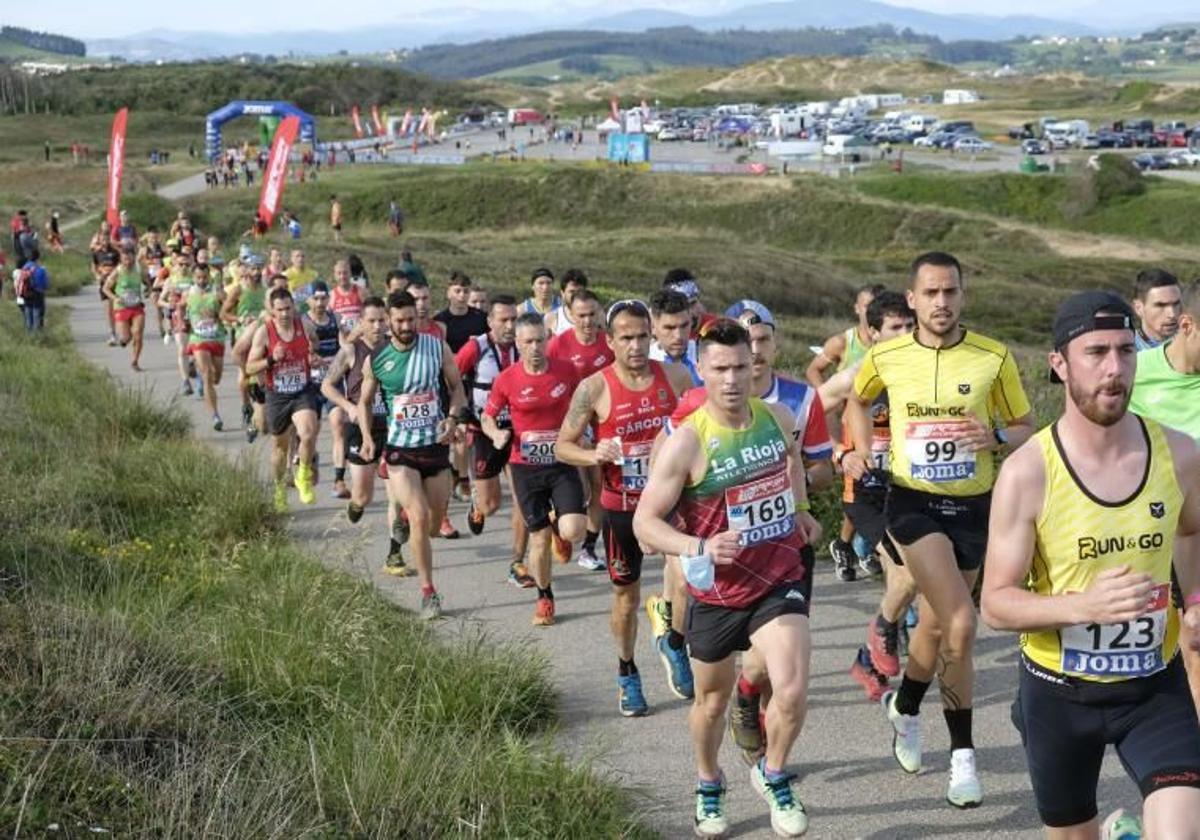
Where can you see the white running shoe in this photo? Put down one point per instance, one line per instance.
(587, 559)
(906, 737)
(964, 790)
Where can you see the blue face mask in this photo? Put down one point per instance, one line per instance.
(699, 571)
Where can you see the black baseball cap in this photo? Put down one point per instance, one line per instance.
(1080, 314)
(320, 287)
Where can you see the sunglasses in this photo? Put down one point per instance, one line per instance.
(628, 305)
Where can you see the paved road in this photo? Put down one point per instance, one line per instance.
(851, 785)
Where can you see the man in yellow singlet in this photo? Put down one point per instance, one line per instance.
(1087, 520)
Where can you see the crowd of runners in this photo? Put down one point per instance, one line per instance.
(634, 429)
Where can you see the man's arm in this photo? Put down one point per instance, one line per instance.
(338, 369)
(366, 397)
(830, 355)
(257, 361)
(228, 313)
(1186, 558)
(458, 399)
(809, 527)
(579, 416)
(678, 376)
(837, 388)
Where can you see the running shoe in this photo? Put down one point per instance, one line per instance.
(543, 612)
(1120, 826)
(354, 512)
(186, 388)
(251, 433)
(678, 667)
(560, 547)
(217, 423)
(475, 520)
(906, 734)
(788, 817)
(519, 576)
(400, 528)
(431, 606)
(882, 643)
(462, 490)
(112, 340)
(280, 497)
(587, 559)
(870, 566)
(447, 531)
(199, 387)
(964, 790)
(744, 725)
(843, 559)
(630, 699)
(247, 416)
(304, 484)
(340, 490)
(166, 339)
(659, 610)
(710, 820)
(864, 673)
(395, 566)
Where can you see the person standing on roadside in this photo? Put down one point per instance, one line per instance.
(335, 218)
(31, 281)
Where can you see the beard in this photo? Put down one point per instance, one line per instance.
(1088, 403)
(405, 336)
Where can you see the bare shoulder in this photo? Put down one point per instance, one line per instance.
(1184, 452)
(1022, 478)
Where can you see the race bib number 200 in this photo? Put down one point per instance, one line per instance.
(934, 454)
(538, 447)
(762, 510)
(1127, 649)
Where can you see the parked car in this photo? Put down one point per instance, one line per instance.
(1034, 147)
(931, 140)
(1089, 141)
(1148, 161)
(972, 145)
(1183, 157)
(1146, 140)
(666, 134)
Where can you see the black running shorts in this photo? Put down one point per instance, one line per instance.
(624, 553)
(354, 442)
(489, 461)
(912, 515)
(540, 489)
(1066, 723)
(281, 407)
(428, 461)
(715, 633)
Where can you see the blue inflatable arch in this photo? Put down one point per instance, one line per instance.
(218, 118)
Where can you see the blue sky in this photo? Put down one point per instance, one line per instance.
(88, 19)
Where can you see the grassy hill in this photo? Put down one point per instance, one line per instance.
(11, 50)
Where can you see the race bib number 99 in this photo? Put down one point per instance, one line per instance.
(412, 412)
(1128, 649)
(762, 510)
(538, 447)
(934, 454)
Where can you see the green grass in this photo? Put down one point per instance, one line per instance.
(171, 665)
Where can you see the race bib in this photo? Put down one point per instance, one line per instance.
(415, 412)
(1128, 649)
(635, 465)
(319, 371)
(934, 455)
(288, 379)
(379, 407)
(131, 299)
(762, 510)
(205, 329)
(881, 452)
(348, 323)
(538, 447)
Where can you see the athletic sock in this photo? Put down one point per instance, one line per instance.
(771, 775)
(909, 696)
(393, 548)
(545, 593)
(745, 688)
(339, 473)
(675, 639)
(958, 721)
(589, 541)
(426, 591)
(886, 627)
(625, 667)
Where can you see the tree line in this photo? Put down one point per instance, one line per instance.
(45, 41)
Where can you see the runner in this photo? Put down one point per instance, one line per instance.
(124, 288)
(274, 267)
(1167, 390)
(558, 320)
(180, 280)
(418, 290)
(627, 403)
(461, 323)
(537, 393)
(346, 297)
(335, 218)
(151, 257)
(951, 382)
(329, 334)
(104, 260)
(864, 493)
(1085, 521)
(582, 347)
(206, 337)
(730, 477)
(282, 348)
(478, 298)
(1156, 302)
(243, 312)
(672, 324)
(543, 300)
(300, 278)
(682, 280)
(479, 362)
(418, 378)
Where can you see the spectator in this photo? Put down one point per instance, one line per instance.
(395, 219)
(30, 283)
(410, 269)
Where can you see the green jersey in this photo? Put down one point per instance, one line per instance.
(1165, 395)
(411, 381)
(204, 310)
(128, 289)
(855, 349)
(251, 302)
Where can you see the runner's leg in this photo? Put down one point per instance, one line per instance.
(706, 719)
(784, 646)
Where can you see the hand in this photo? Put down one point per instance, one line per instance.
(501, 438)
(1191, 628)
(1115, 596)
(446, 428)
(854, 465)
(808, 527)
(608, 451)
(724, 547)
(367, 450)
(279, 353)
(974, 435)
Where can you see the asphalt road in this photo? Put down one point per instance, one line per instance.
(850, 784)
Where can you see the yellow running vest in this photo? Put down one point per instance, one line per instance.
(1078, 537)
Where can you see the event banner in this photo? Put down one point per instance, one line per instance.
(358, 129)
(376, 120)
(116, 167)
(277, 166)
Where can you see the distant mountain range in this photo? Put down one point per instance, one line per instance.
(466, 25)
